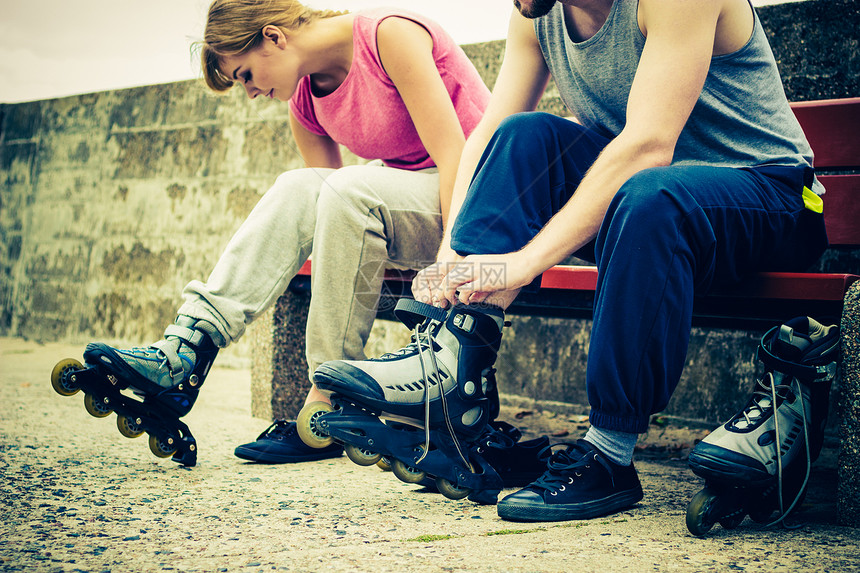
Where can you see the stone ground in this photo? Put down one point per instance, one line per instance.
(77, 496)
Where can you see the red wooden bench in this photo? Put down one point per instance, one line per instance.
(765, 299)
(832, 127)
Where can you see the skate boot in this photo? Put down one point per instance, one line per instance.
(148, 388)
(759, 461)
(436, 397)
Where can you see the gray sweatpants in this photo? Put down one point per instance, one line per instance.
(357, 220)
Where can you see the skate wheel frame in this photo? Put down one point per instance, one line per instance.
(306, 425)
(61, 377)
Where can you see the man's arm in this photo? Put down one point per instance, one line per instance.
(669, 78)
(519, 86)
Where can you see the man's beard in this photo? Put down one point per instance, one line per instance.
(537, 9)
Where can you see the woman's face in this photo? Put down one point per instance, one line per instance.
(269, 70)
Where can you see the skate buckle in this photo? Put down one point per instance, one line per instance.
(828, 371)
(193, 379)
(464, 322)
(111, 378)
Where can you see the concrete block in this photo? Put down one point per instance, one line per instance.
(848, 492)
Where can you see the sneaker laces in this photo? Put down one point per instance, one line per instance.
(498, 439)
(278, 430)
(564, 466)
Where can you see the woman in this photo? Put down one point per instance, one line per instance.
(388, 85)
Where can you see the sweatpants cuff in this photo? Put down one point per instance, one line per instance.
(629, 424)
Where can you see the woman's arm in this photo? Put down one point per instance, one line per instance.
(316, 150)
(406, 52)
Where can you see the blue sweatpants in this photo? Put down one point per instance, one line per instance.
(670, 233)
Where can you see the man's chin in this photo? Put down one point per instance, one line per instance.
(535, 8)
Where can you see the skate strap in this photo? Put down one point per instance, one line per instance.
(169, 348)
(412, 313)
(192, 336)
(821, 372)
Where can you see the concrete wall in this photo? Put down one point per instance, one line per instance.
(112, 201)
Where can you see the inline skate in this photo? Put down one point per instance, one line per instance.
(759, 461)
(149, 389)
(422, 408)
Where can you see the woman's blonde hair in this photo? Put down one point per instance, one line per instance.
(234, 27)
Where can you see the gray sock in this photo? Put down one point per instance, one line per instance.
(617, 446)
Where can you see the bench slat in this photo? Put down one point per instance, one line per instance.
(842, 209)
(790, 286)
(831, 126)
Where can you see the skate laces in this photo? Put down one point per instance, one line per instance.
(783, 513)
(766, 398)
(565, 466)
(423, 340)
(413, 346)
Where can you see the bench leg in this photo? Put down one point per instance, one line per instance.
(279, 370)
(848, 491)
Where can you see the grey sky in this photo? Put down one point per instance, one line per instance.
(54, 48)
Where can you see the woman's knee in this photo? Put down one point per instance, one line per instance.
(346, 189)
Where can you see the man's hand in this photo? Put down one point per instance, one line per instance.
(476, 277)
(426, 285)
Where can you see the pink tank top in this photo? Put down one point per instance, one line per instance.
(365, 113)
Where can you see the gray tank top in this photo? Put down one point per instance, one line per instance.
(742, 118)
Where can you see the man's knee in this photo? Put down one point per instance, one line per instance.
(525, 130)
(651, 194)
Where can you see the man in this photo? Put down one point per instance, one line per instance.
(685, 169)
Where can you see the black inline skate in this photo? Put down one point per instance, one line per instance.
(436, 397)
(759, 461)
(148, 388)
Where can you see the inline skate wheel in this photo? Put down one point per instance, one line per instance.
(62, 377)
(306, 425)
(360, 456)
(699, 512)
(406, 473)
(128, 427)
(96, 407)
(162, 447)
(384, 464)
(450, 490)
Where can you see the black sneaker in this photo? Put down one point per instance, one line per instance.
(579, 483)
(280, 444)
(518, 463)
